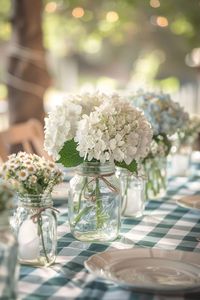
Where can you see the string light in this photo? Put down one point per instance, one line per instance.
(112, 16)
(51, 7)
(162, 21)
(155, 3)
(78, 12)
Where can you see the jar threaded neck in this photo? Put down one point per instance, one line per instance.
(41, 200)
(93, 168)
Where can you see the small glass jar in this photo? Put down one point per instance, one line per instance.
(156, 172)
(94, 202)
(8, 260)
(180, 161)
(35, 223)
(132, 189)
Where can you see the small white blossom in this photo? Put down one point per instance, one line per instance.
(30, 176)
(22, 174)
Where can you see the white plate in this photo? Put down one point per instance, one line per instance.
(190, 202)
(148, 270)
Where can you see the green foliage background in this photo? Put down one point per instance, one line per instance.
(123, 40)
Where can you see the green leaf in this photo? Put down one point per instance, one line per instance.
(69, 156)
(132, 167)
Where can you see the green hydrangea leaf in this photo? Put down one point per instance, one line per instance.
(69, 156)
(132, 167)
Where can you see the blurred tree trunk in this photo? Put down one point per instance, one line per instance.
(27, 77)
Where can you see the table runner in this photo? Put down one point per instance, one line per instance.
(164, 225)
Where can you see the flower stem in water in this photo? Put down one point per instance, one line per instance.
(125, 195)
(81, 193)
(99, 206)
(42, 238)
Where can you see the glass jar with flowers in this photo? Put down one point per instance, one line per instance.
(8, 247)
(35, 219)
(132, 189)
(155, 167)
(166, 118)
(182, 144)
(96, 132)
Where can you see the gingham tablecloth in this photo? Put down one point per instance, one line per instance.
(164, 225)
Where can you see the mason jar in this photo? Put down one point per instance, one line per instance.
(35, 223)
(132, 190)
(8, 260)
(180, 161)
(94, 202)
(156, 173)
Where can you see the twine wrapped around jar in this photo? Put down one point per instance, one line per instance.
(94, 202)
(35, 223)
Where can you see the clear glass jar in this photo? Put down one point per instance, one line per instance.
(132, 190)
(94, 202)
(180, 161)
(8, 260)
(156, 172)
(35, 224)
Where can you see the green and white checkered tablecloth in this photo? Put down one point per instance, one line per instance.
(164, 225)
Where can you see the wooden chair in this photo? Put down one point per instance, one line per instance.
(29, 134)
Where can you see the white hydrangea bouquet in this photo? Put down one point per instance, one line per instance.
(183, 142)
(96, 129)
(166, 118)
(30, 174)
(187, 134)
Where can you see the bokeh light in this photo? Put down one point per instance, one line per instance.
(51, 7)
(162, 21)
(78, 12)
(193, 59)
(112, 16)
(155, 3)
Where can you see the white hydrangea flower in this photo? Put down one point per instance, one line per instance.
(114, 131)
(165, 115)
(60, 126)
(88, 101)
